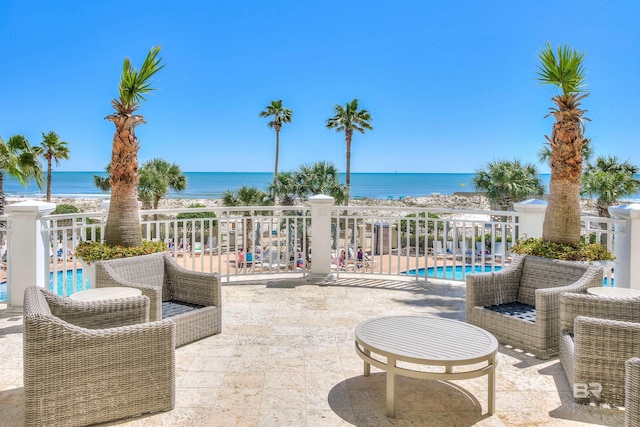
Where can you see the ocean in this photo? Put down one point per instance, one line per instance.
(211, 185)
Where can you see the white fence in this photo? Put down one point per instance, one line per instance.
(258, 240)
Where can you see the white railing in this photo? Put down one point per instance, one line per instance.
(246, 241)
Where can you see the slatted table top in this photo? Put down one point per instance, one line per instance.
(426, 340)
(614, 292)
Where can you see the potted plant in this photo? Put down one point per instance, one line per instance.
(89, 253)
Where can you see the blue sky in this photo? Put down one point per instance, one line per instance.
(450, 85)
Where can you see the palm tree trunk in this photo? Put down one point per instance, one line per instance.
(48, 178)
(3, 200)
(275, 172)
(348, 138)
(123, 223)
(562, 217)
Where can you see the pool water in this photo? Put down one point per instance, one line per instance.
(440, 272)
(449, 272)
(61, 284)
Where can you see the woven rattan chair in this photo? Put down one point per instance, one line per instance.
(520, 303)
(92, 362)
(191, 299)
(632, 392)
(598, 335)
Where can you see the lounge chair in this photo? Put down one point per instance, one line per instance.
(520, 304)
(94, 362)
(598, 335)
(192, 299)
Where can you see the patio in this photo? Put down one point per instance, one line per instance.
(286, 357)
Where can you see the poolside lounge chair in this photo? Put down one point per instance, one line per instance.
(192, 299)
(599, 334)
(93, 362)
(520, 304)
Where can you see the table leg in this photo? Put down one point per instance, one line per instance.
(391, 388)
(367, 366)
(491, 379)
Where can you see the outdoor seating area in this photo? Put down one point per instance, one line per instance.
(192, 299)
(520, 304)
(314, 377)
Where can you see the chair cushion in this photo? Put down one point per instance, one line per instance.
(173, 308)
(517, 310)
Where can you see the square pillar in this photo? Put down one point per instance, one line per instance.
(320, 235)
(28, 249)
(627, 246)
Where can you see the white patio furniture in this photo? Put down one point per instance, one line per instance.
(432, 341)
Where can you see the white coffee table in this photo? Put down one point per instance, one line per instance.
(99, 294)
(614, 292)
(431, 341)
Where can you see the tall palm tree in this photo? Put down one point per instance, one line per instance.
(157, 177)
(564, 69)
(507, 182)
(19, 160)
(320, 178)
(609, 179)
(52, 148)
(347, 119)
(280, 116)
(123, 223)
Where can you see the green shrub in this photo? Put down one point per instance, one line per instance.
(65, 209)
(91, 252)
(578, 252)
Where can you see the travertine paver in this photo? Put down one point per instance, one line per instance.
(286, 358)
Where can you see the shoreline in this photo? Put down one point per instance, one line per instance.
(468, 201)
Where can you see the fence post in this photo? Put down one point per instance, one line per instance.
(531, 217)
(29, 249)
(320, 236)
(627, 246)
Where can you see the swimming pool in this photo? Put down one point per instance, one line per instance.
(449, 271)
(440, 272)
(61, 284)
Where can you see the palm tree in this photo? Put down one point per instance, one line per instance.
(123, 223)
(101, 182)
(564, 70)
(246, 196)
(506, 182)
(157, 177)
(51, 148)
(280, 116)
(19, 160)
(347, 119)
(285, 187)
(320, 178)
(608, 180)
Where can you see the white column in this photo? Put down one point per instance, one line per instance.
(531, 217)
(29, 249)
(627, 246)
(320, 235)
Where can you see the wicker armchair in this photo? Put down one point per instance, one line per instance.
(598, 334)
(92, 362)
(520, 303)
(632, 392)
(191, 299)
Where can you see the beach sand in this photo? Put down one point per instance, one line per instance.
(470, 201)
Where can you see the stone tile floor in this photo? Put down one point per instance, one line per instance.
(286, 358)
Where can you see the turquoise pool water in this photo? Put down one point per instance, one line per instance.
(61, 284)
(449, 272)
